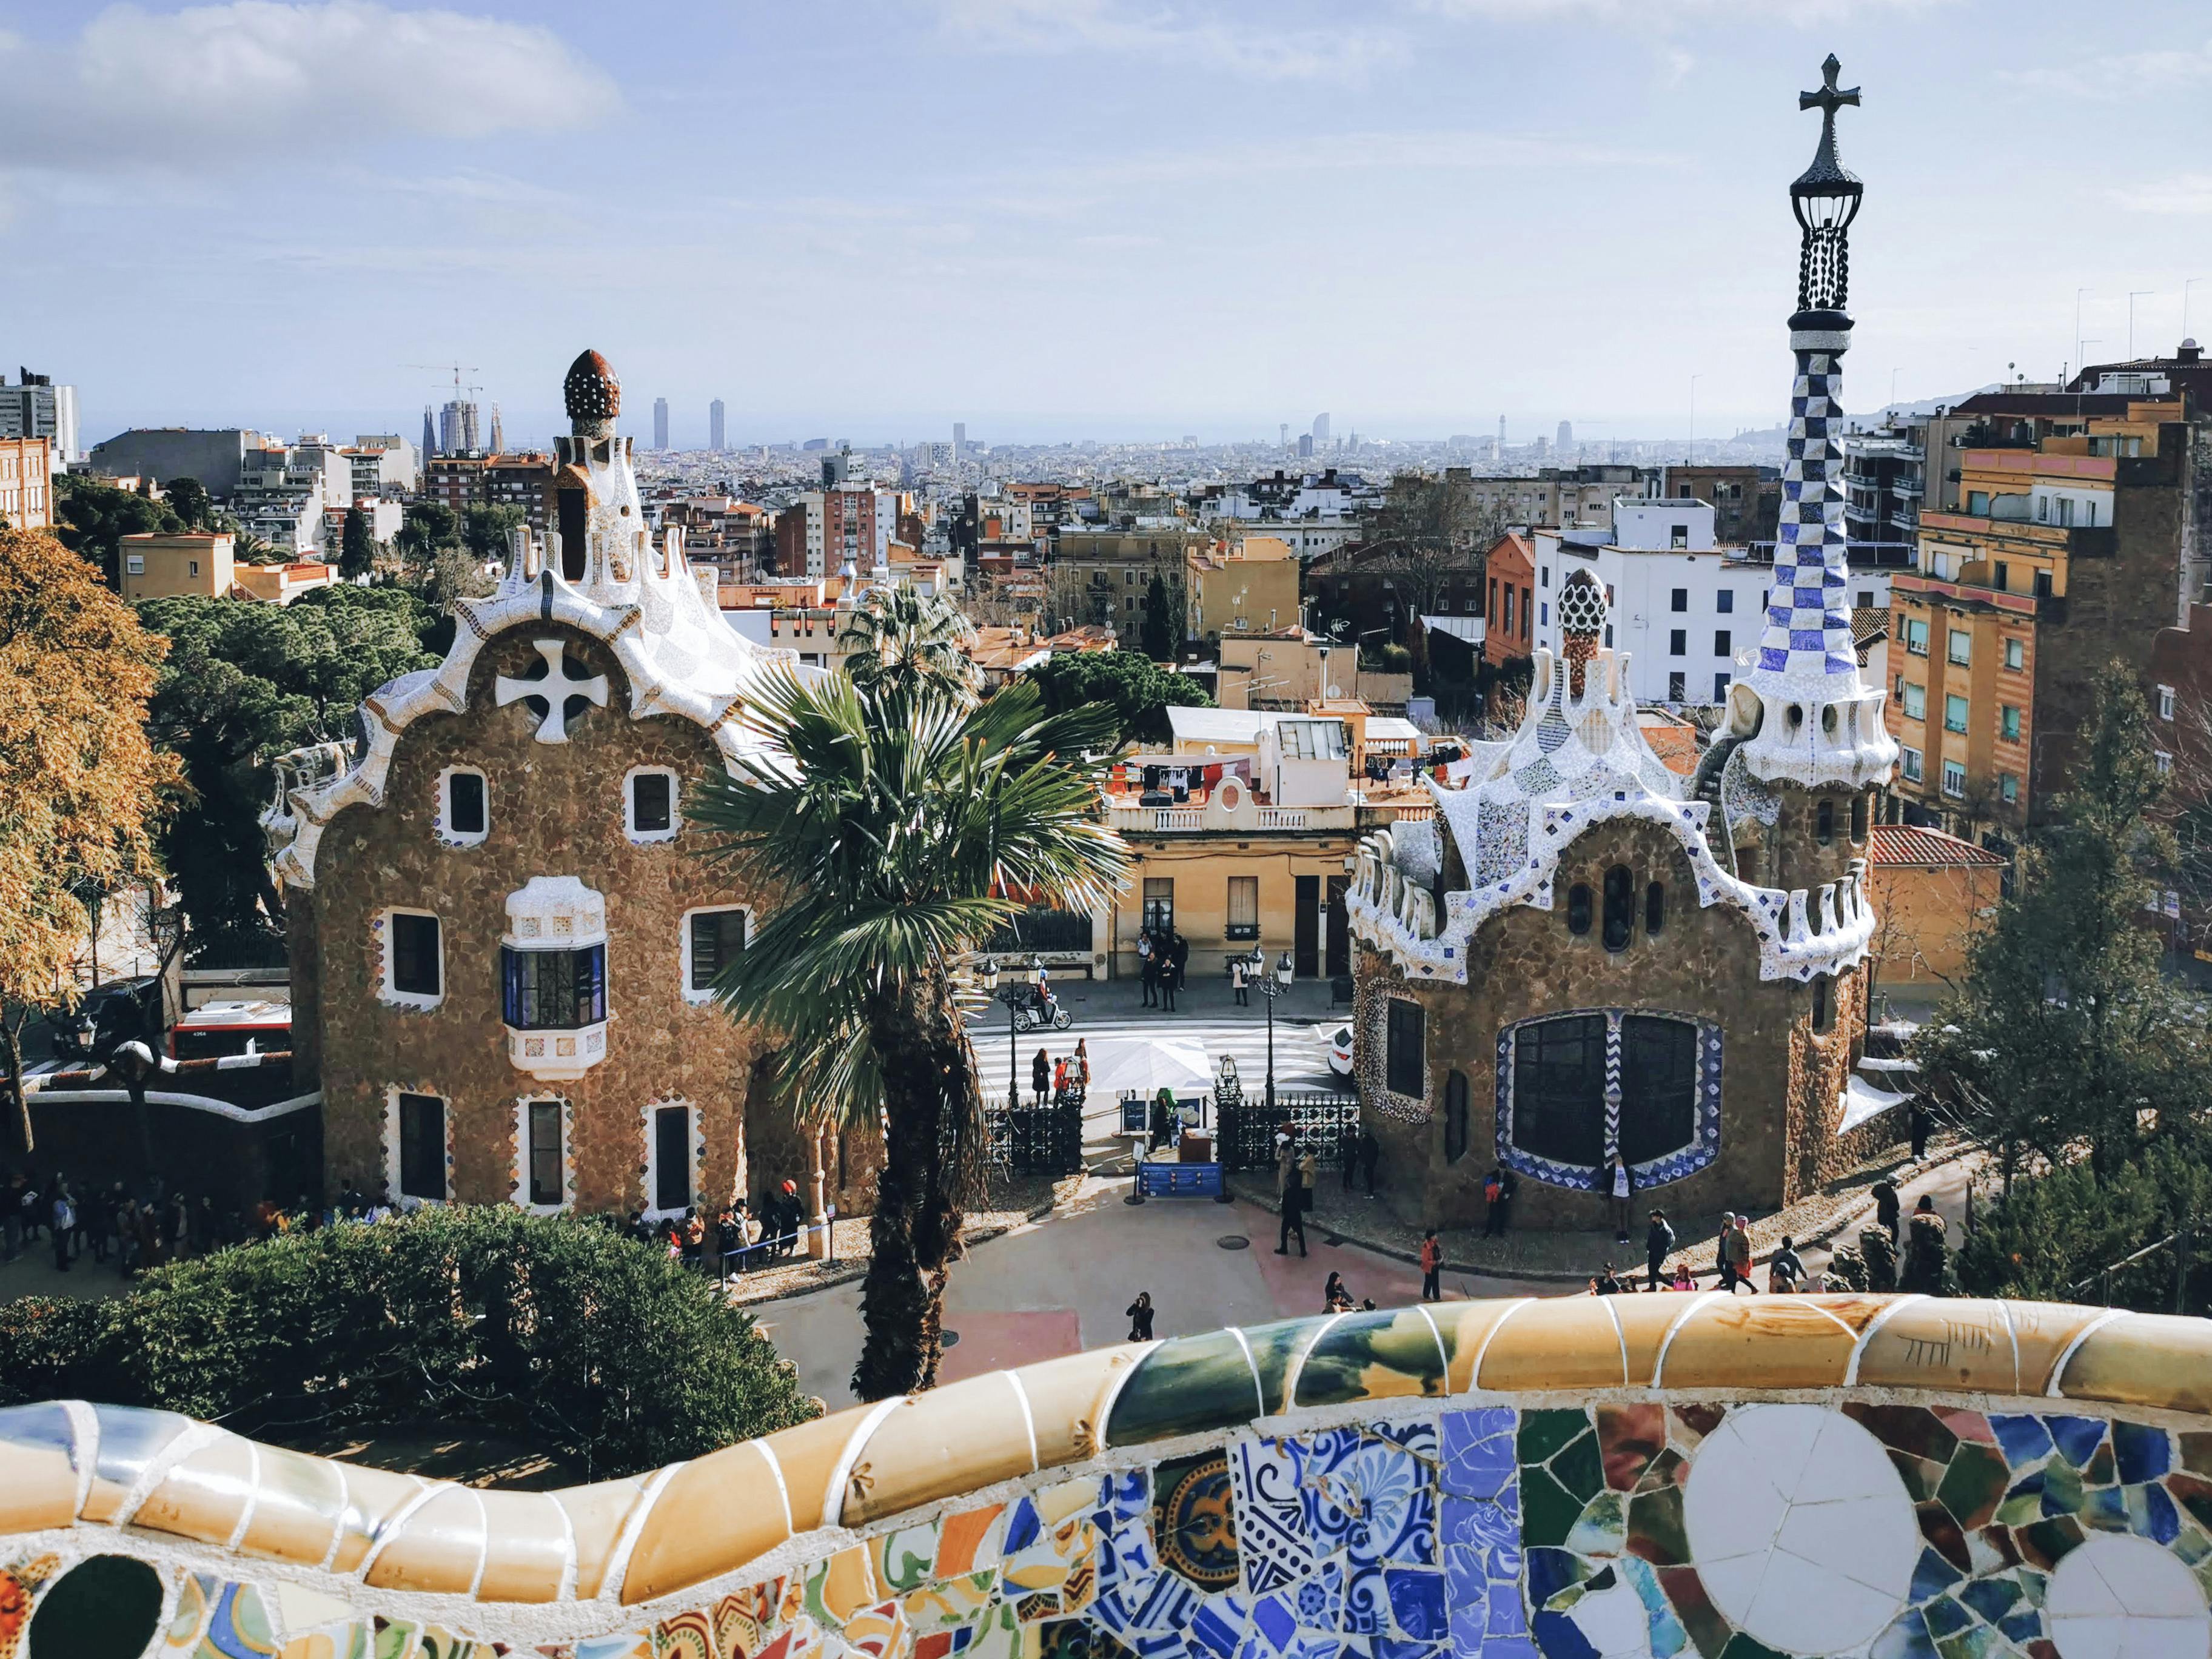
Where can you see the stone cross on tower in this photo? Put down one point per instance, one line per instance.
(1828, 100)
(555, 687)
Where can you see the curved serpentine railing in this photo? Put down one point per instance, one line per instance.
(1584, 1478)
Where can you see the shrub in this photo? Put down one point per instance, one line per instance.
(1397, 660)
(555, 1330)
(1878, 1251)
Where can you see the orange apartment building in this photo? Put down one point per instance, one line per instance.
(1510, 574)
(2066, 552)
(26, 484)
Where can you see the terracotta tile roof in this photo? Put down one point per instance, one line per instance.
(1869, 625)
(1907, 846)
(1675, 745)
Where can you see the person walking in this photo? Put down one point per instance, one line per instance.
(1294, 1212)
(1683, 1280)
(1886, 1205)
(1079, 1068)
(1236, 981)
(1925, 1251)
(1432, 1268)
(1370, 1152)
(1166, 1001)
(1041, 1075)
(1148, 968)
(1786, 1271)
(1348, 1149)
(1739, 1246)
(1178, 956)
(64, 1224)
(1724, 1263)
(1140, 1318)
(1920, 1122)
(1658, 1245)
(1493, 1206)
(1620, 1186)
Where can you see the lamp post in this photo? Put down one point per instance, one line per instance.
(1012, 995)
(1271, 987)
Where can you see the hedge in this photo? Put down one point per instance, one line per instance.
(559, 1332)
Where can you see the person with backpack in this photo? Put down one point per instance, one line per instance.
(1786, 1270)
(1493, 1206)
(1658, 1245)
(1432, 1268)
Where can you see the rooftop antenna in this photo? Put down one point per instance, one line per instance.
(2081, 362)
(2134, 294)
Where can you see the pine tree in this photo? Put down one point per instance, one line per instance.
(1161, 631)
(355, 551)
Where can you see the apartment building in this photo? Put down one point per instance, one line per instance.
(2066, 551)
(1895, 471)
(1510, 592)
(1551, 498)
(1746, 501)
(1249, 586)
(1100, 577)
(522, 479)
(823, 531)
(283, 491)
(26, 500)
(384, 465)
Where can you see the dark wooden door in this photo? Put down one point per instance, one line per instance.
(1339, 928)
(1306, 931)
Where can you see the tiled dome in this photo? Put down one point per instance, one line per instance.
(591, 391)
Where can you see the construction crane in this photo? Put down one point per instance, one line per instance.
(471, 389)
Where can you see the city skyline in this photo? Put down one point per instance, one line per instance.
(1342, 188)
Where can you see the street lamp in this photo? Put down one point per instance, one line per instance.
(1271, 987)
(1012, 995)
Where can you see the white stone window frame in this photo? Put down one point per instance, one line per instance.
(695, 1128)
(443, 822)
(2166, 702)
(700, 998)
(392, 1195)
(520, 1195)
(637, 836)
(386, 992)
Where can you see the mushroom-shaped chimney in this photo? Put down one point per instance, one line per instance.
(1582, 625)
(592, 394)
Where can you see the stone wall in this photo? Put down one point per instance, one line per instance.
(553, 808)
(1703, 964)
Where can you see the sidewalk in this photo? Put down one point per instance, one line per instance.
(1201, 999)
(1835, 1213)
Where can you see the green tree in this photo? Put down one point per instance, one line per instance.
(356, 552)
(899, 635)
(1161, 636)
(485, 529)
(426, 527)
(1139, 691)
(896, 821)
(2064, 1035)
(547, 1327)
(188, 499)
(81, 787)
(93, 518)
(244, 681)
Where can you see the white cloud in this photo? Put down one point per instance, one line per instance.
(213, 81)
(2127, 75)
(1661, 15)
(1131, 28)
(2185, 194)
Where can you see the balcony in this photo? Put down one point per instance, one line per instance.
(1226, 811)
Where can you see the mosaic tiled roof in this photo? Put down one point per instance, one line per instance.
(1908, 846)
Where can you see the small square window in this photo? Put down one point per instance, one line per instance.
(2008, 723)
(134, 564)
(1723, 642)
(1724, 601)
(712, 940)
(650, 805)
(2009, 789)
(1954, 779)
(1914, 701)
(1678, 643)
(422, 1136)
(1721, 683)
(1910, 759)
(544, 1170)
(1955, 714)
(464, 811)
(1678, 687)
(2164, 762)
(1679, 600)
(1916, 637)
(2165, 702)
(2015, 653)
(1960, 649)
(1404, 1062)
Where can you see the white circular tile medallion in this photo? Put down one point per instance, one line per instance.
(2119, 1597)
(1800, 1527)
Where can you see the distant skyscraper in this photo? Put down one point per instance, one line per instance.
(1320, 429)
(1566, 434)
(429, 434)
(715, 427)
(661, 422)
(1305, 446)
(959, 439)
(1286, 435)
(40, 409)
(459, 427)
(498, 437)
(1497, 453)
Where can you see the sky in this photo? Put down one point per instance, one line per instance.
(1057, 219)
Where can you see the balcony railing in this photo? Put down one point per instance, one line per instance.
(1282, 818)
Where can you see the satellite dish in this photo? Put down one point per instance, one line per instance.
(1334, 689)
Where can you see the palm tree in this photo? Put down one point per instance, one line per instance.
(899, 639)
(901, 821)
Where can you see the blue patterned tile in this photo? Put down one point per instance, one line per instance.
(1478, 1452)
(2023, 1439)
(2077, 1438)
(2143, 1453)
(1416, 1603)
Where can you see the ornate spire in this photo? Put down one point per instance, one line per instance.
(1582, 625)
(592, 394)
(1825, 199)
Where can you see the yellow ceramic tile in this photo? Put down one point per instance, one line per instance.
(849, 1583)
(1065, 1396)
(879, 1632)
(961, 1540)
(950, 1602)
(2043, 1331)
(372, 1497)
(1560, 1342)
(938, 1444)
(1645, 1323)
(437, 1549)
(1757, 1342)
(203, 1496)
(714, 1515)
(2144, 1359)
(529, 1548)
(1936, 1343)
(597, 1513)
(295, 1514)
(808, 1456)
(38, 1487)
(1466, 1326)
(1060, 1503)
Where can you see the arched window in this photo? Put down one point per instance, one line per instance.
(1578, 909)
(1455, 1117)
(1824, 1006)
(1655, 907)
(1859, 819)
(1824, 822)
(1620, 907)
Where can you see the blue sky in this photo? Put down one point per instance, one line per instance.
(1077, 217)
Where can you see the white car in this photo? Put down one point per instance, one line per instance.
(1336, 1043)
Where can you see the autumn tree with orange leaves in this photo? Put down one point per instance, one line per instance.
(81, 785)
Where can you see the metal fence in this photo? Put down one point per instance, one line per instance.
(1043, 929)
(1027, 1140)
(2155, 1279)
(1328, 1125)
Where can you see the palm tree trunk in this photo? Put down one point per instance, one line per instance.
(932, 1152)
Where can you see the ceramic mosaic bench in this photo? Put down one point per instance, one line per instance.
(1580, 1478)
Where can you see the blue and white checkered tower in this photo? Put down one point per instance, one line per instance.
(1817, 724)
